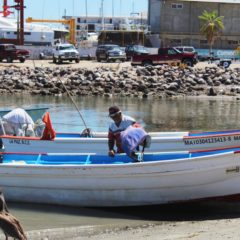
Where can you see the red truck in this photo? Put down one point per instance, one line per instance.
(10, 53)
(165, 56)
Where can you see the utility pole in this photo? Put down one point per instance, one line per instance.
(20, 8)
(21, 22)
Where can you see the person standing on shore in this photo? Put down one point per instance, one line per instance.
(120, 123)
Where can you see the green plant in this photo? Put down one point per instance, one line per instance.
(211, 26)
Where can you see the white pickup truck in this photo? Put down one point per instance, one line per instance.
(64, 52)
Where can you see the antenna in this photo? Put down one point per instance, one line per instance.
(73, 7)
(102, 14)
(86, 9)
(112, 8)
(120, 8)
(43, 8)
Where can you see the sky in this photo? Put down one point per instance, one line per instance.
(55, 9)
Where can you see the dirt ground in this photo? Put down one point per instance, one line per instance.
(224, 229)
(82, 64)
(192, 221)
(91, 64)
(203, 229)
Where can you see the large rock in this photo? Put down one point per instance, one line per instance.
(143, 82)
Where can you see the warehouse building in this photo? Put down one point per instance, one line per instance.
(176, 22)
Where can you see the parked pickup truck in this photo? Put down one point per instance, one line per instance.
(10, 53)
(165, 56)
(65, 51)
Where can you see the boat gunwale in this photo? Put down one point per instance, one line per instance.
(21, 164)
(97, 139)
(212, 135)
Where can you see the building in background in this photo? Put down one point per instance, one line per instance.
(176, 22)
(87, 27)
(34, 34)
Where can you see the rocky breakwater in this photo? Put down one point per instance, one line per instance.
(146, 82)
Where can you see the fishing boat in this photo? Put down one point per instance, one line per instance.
(98, 180)
(98, 142)
(90, 142)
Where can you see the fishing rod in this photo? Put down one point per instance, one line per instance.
(88, 131)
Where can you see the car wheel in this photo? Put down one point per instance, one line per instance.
(225, 64)
(147, 63)
(22, 60)
(98, 58)
(188, 62)
(9, 59)
(110, 60)
(77, 60)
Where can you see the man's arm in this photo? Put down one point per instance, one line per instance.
(111, 144)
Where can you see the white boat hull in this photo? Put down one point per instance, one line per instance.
(161, 142)
(129, 184)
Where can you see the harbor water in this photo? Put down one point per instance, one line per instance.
(182, 114)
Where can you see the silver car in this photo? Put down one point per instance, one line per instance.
(110, 52)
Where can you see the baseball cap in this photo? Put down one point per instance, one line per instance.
(113, 111)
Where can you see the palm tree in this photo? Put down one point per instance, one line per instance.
(211, 26)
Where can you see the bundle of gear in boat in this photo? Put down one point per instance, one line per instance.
(19, 123)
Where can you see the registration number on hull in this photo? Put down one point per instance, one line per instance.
(19, 141)
(211, 140)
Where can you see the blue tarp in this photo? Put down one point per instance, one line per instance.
(220, 53)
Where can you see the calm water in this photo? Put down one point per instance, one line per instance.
(155, 115)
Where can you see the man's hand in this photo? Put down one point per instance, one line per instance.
(111, 153)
